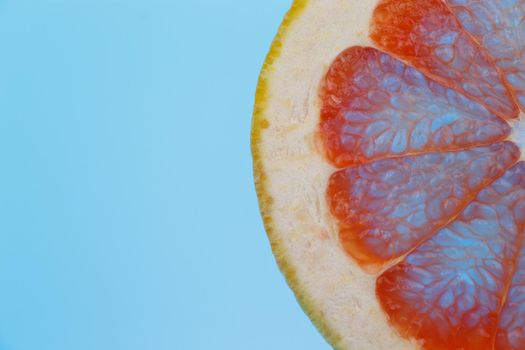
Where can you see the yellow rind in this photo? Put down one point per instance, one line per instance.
(259, 123)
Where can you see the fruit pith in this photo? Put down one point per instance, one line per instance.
(427, 185)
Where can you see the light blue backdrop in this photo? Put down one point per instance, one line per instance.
(128, 218)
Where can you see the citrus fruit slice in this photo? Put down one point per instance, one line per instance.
(387, 140)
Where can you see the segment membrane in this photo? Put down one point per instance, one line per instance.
(426, 34)
(374, 106)
(385, 208)
(499, 26)
(448, 292)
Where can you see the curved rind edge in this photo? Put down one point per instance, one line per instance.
(259, 123)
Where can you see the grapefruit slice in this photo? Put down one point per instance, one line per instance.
(386, 142)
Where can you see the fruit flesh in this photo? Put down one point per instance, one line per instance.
(428, 295)
(386, 208)
(427, 35)
(376, 107)
(511, 330)
(450, 290)
(419, 194)
(498, 26)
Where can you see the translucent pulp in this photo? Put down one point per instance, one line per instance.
(429, 191)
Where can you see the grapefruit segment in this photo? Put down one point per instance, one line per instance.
(499, 27)
(375, 106)
(385, 208)
(511, 332)
(426, 34)
(449, 291)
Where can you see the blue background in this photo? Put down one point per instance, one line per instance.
(128, 218)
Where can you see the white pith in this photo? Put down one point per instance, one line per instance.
(518, 134)
(297, 174)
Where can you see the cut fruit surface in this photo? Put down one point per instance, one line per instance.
(511, 334)
(498, 26)
(387, 207)
(389, 179)
(374, 106)
(427, 34)
(449, 291)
